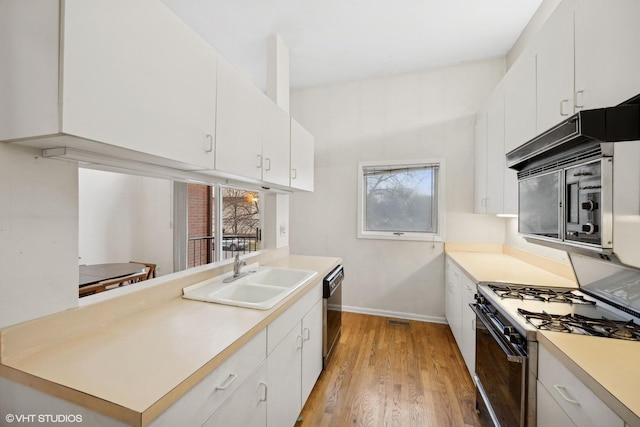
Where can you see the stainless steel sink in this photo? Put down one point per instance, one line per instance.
(261, 289)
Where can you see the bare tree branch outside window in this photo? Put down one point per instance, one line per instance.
(401, 199)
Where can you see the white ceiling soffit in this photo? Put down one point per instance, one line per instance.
(341, 40)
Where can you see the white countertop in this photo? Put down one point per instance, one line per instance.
(135, 367)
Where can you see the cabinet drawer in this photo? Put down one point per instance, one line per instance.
(281, 326)
(195, 407)
(248, 405)
(549, 413)
(576, 399)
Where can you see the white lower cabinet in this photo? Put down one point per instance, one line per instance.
(460, 292)
(468, 324)
(452, 301)
(294, 359)
(576, 400)
(548, 411)
(195, 407)
(311, 349)
(247, 407)
(285, 380)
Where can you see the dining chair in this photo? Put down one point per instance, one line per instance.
(149, 268)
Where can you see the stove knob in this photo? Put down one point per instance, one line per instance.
(480, 299)
(589, 206)
(509, 330)
(590, 228)
(515, 338)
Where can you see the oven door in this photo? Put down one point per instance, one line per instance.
(500, 377)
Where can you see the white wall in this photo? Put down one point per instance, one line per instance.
(38, 235)
(513, 239)
(419, 115)
(125, 218)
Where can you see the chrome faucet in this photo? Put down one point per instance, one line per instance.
(237, 265)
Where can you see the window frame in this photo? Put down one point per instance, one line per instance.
(437, 236)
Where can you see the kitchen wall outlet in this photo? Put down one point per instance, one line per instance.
(283, 230)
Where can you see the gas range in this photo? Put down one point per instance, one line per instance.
(528, 309)
(605, 304)
(508, 318)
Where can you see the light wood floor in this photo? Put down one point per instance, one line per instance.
(391, 375)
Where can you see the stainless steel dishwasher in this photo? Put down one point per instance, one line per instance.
(332, 312)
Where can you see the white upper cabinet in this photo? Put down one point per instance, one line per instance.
(481, 145)
(252, 134)
(239, 124)
(495, 184)
(29, 83)
(275, 144)
(555, 68)
(606, 52)
(520, 103)
(495, 154)
(138, 77)
(302, 157)
(133, 75)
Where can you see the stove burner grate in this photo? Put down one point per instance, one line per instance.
(566, 296)
(578, 324)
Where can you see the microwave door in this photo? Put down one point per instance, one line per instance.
(539, 212)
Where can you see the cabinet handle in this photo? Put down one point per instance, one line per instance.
(259, 164)
(300, 340)
(225, 385)
(264, 392)
(307, 334)
(267, 162)
(294, 174)
(563, 393)
(562, 104)
(208, 143)
(577, 104)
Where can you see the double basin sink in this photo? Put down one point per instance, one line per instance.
(260, 288)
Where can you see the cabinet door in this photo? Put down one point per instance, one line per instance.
(480, 181)
(247, 407)
(468, 325)
(29, 37)
(302, 157)
(453, 301)
(238, 124)
(136, 76)
(581, 404)
(284, 379)
(275, 144)
(312, 349)
(555, 65)
(495, 154)
(520, 102)
(606, 59)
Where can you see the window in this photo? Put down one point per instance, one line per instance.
(240, 228)
(401, 200)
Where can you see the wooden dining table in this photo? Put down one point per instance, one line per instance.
(95, 273)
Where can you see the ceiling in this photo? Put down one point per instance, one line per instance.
(340, 40)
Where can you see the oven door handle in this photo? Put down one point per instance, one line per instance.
(512, 356)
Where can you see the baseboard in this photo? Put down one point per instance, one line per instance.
(394, 314)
